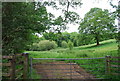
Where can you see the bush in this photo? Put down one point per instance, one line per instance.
(64, 44)
(34, 47)
(44, 45)
(70, 45)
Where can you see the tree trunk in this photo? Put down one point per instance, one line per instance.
(97, 40)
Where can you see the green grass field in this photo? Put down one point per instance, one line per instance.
(108, 47)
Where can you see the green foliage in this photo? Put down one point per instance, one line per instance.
(73, 37)
(84, 39)
(44, 45)
(41, 38)
(34, 46)
(78, 39)
(70, 45)
(20, 21)
(64, 44)
(59, 37)
(98, 23)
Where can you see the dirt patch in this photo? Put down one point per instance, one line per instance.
(61, 70)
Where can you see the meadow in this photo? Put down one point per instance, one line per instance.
(108, 47)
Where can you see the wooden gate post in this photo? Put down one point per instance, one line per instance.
(12, 69)
(108, 64)
(26, 64)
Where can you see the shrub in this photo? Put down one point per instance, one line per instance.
(64, 44)
(35, 46)
(70, 45)
(44, 45)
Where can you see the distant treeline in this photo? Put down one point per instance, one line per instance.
(76, 38)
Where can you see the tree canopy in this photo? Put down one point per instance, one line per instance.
(20, 21)
(98, 22)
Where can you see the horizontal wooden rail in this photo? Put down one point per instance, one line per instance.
(115, 65)
(6, 74)
(69, 64)
(114, 61)
(5, 64)
(19, 55)
(115, 73)
(66, 58)
(114, 69)
(115, 57)
(7, 57)
(58, 72)
(65, 69)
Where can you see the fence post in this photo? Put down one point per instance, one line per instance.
(31, 68)
(108, 64)
(12, 71)
(26, 64)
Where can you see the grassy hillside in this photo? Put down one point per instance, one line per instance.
(108, 47)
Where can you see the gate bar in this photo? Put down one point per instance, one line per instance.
(65, 58)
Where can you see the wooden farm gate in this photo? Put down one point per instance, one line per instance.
(113, 66)
(15, 66)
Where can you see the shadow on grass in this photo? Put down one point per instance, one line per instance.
(97, 46)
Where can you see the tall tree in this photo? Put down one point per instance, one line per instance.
(20, 21)
(119, 28)
(98, 22)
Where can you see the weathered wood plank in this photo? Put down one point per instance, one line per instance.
(66, 58)
(6, 74)
(115, 65)
(19, 55)
(25, 73)
(5, 64)
(114, 69)
(108, 70)
(115, 57)
(1, 64)
(115, 73)
(7, 57)
(12, 76)
(114, 61)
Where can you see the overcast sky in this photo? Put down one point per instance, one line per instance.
(87, 5)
